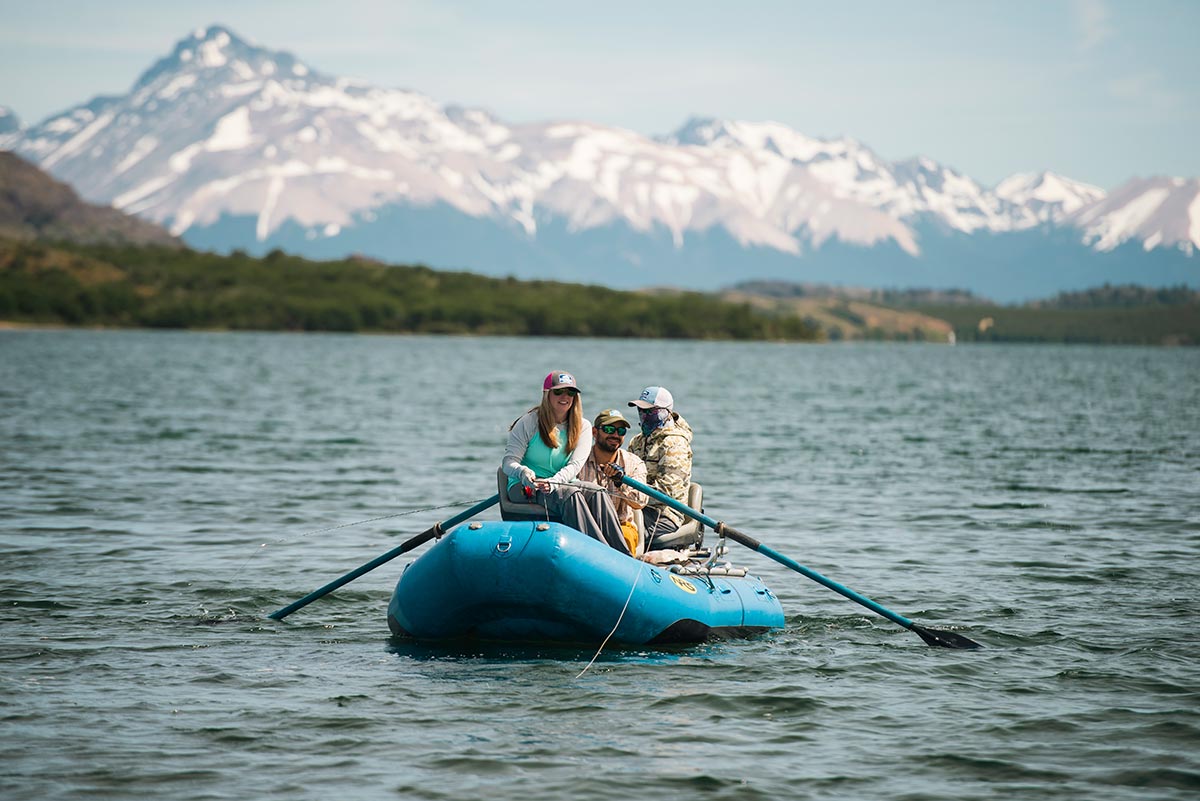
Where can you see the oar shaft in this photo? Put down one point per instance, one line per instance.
(771, 553)
(403, 548)
(750, 542)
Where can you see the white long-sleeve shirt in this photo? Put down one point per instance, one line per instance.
(519, 437)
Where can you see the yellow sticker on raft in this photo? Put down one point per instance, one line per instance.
(683, 584)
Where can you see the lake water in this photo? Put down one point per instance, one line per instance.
(160, 493)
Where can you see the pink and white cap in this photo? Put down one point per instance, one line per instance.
(559, 379)
(654, 397)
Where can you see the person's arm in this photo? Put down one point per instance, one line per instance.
(635, 468)
(579, 457)
(637, 500)
(518, 441)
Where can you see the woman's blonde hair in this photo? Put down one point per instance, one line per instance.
(546, 427)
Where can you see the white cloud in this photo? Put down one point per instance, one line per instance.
(1092, 20)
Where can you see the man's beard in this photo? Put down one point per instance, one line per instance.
(602, 445)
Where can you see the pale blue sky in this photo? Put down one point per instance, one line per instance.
(1098, 90)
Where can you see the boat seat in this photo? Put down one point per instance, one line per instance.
(688, 535)
(513, 510)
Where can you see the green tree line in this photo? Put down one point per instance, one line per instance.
(1158, 324)
(161, 287)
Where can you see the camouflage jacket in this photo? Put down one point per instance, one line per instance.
(667, 453)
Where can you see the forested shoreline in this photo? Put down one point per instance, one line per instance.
(161, 287)
(152, 286)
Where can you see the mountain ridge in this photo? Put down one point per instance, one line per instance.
(220, 132)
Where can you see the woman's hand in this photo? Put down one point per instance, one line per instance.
(528, 477)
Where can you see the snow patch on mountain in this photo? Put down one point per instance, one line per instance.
(233, 132)
(1048, 195)
(1159, 212)
(1193, 232)
(1116, 227)
(223, 128)
(141, 148)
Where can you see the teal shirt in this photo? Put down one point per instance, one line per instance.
(543, 460)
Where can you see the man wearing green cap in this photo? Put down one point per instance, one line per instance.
(608, 433)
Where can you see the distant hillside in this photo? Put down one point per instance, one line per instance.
(35, 206)
(1125, 314)
(840, 318)
(1125, 296)
(895, 298)
(154, 286)
(1111, 325)
(844, 312)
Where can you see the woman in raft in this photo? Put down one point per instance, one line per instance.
(547, 447)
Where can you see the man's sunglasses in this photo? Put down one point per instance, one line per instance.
(614, 429)
(565, 391)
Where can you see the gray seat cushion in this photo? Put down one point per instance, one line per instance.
(691, 533)
(512, 510)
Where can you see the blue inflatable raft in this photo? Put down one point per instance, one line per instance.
(545, 582)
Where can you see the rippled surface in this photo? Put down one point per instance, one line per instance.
(162, 492)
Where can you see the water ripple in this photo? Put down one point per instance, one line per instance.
(165, 491)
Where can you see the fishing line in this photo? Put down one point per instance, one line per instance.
(258, 550)
(204, 610)
(583, 487)
(620, 617)
(637, 576)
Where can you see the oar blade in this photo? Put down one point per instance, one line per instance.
(944, 639)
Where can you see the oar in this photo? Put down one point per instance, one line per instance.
(946, 639)
(437, 530)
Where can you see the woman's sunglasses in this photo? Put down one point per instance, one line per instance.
(614, 430)
(565, 391)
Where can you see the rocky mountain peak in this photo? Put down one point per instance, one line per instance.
(9, 122)
(224, 135)
(217, 53)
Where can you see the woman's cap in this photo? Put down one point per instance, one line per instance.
(654, 397)
(559, 379)
(610, 417)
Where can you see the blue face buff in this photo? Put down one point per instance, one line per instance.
(651, 419)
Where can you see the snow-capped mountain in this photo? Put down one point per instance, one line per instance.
(1048, 196)
(848, 171)
(1151, 211)
(9, 122)
(233, 145)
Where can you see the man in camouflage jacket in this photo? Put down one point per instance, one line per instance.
(665, 445)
